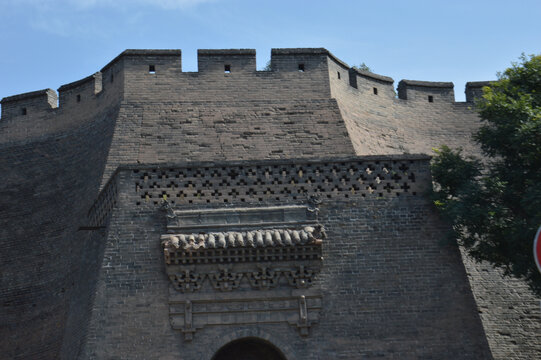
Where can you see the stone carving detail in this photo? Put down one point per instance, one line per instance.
(243, 266)
(303, 323)
(186, 281)
(301, 311)
(264, 279)
(301, 277)
(166, 206)
(225, 280)
(309, 235)
(188, 329)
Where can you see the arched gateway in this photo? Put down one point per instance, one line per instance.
(249, 349)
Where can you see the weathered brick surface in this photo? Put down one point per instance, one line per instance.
(158, 132)
(391, 287)
(510, 313)
(48, 185)
(385, 124)
(55, 158)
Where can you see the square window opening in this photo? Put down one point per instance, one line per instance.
(301, 67)
(152, 69)
(227, 69)
(430, 98)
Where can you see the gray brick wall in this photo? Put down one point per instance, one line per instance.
(391, 287)
(48, 186)
(57, 157)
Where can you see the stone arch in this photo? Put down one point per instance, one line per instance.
(256, 333)
(249, 348)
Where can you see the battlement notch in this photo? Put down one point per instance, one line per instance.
(226, 61)
(28, 103)
(298, 59)
(429, 91)
(80, 90)
(145, 55)
(474, 89)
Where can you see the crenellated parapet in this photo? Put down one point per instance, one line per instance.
(224, 75)
(28, 103)
(81, 90)
(426, 91)
(474, 89)
(298, 59)
(226, 61)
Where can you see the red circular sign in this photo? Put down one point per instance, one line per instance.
(537, 249)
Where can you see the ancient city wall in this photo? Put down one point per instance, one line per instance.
(141, 108)
(376, 121)
(48, 186)
(421, 116)
(389, 283)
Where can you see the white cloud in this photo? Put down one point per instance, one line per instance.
(89, 4)
(173, 4)
(164, 4)
(77, 17)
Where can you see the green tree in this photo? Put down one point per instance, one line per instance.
(494, 203)
(364, 67)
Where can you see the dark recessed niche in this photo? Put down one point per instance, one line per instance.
(338, 73)
(23, 111)
(375, 90)
(301, 67)
(430, 98)
(78, 98)
(112, 77)
(227, 69)
(152, 69)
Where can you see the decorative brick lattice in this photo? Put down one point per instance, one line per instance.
(277, 182)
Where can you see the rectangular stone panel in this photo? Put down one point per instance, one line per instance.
(239, 218)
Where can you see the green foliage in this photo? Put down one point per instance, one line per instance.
(364, 67)
(494, 204)
(267, 66)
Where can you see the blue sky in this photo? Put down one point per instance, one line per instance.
(47, 43)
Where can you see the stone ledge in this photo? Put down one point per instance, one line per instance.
(373, 76)
(478, 84)
(29, 95)
(220, 52)
(430, 84)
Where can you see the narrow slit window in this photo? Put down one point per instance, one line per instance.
(112, 77)
(338, 72)
(430, 98)
(152, 69)
(227, 69)
(301, 67)
(375, 90)
(23, 111)
(78, 98)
